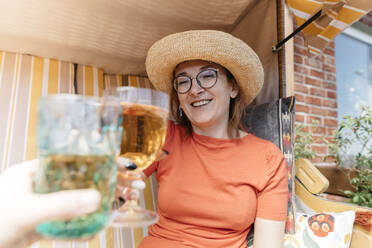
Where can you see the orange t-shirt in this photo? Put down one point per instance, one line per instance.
(211, 190)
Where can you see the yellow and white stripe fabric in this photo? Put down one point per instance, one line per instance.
(23, 79)
(336, 16)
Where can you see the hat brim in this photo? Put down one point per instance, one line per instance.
(209, 45)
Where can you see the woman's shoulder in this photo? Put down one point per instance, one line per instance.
(261, 143)
(175, 133)
(266, 148)
(173, 128)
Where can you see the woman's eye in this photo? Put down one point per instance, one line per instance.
(183, 82)
(209, 75)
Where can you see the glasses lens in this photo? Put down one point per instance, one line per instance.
(182, 84)
(207, 78)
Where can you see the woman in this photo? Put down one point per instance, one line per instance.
(218, 180)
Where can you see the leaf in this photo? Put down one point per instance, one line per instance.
(308, 241)
(356, 198)
(348, 192)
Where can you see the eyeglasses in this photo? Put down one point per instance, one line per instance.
(206, 79)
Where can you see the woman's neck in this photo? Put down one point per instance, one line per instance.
(219, 130)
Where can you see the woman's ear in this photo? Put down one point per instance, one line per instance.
(234, 90)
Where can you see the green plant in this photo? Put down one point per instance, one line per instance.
(304, 140)
(352, 148)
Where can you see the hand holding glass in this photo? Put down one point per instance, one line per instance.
(78, 138)
(145, 115)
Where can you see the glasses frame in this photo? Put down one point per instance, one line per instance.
(215, 70)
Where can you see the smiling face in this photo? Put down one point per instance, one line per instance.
(207, 109)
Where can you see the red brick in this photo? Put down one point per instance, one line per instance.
(331, 94)
(330, 132)
(320, 149)
(306, 129)
(320, 58)
(329, 60)
(320, 130)
(316, 110)
(313, 62)
(329, 139)
(331, 86)
(331, 44)
(318, 138)
(330, 122)
(329, 68)
(299, 97)
(313, 100)
(298, 40)
(299, 78)
(313, 81)
(301, 88)
(300, 118)
(311, 118)
(317, 92)
(316, 160)
(300, 69)
(298, 59)
(332, 113)
(318, 74)
(330, 103)
(302, 108)
(300, 50)
(330, 160)
(331, 77)
(331, 128)
(329, 51)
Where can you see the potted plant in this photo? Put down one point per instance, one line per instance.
(352, 150)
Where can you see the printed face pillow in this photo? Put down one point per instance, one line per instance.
(321, 230)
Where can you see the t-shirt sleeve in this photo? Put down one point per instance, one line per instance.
(151, 169)
(167, 145)
(273, 198)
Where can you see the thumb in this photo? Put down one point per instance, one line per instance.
(64, 205)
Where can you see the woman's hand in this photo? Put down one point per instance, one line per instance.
(136, 182)
(125, 181)
(21, 210)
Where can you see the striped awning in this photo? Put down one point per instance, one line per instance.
(336, 15)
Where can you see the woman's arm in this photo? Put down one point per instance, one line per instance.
(268, 233)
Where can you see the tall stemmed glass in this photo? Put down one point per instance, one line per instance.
(145, 115)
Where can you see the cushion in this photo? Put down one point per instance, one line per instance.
(274, 121)
(321, 230)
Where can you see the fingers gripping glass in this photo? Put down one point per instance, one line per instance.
(206, 79)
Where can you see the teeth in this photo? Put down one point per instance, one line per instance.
(200, 103)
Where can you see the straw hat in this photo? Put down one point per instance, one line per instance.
(209, 45)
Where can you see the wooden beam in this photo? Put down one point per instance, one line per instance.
(289, 53)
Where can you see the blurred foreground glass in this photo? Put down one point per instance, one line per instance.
(145, 116)
(78, 137)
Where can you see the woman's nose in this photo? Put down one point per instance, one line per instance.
(195, 87)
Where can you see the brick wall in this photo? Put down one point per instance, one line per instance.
(316, 92)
